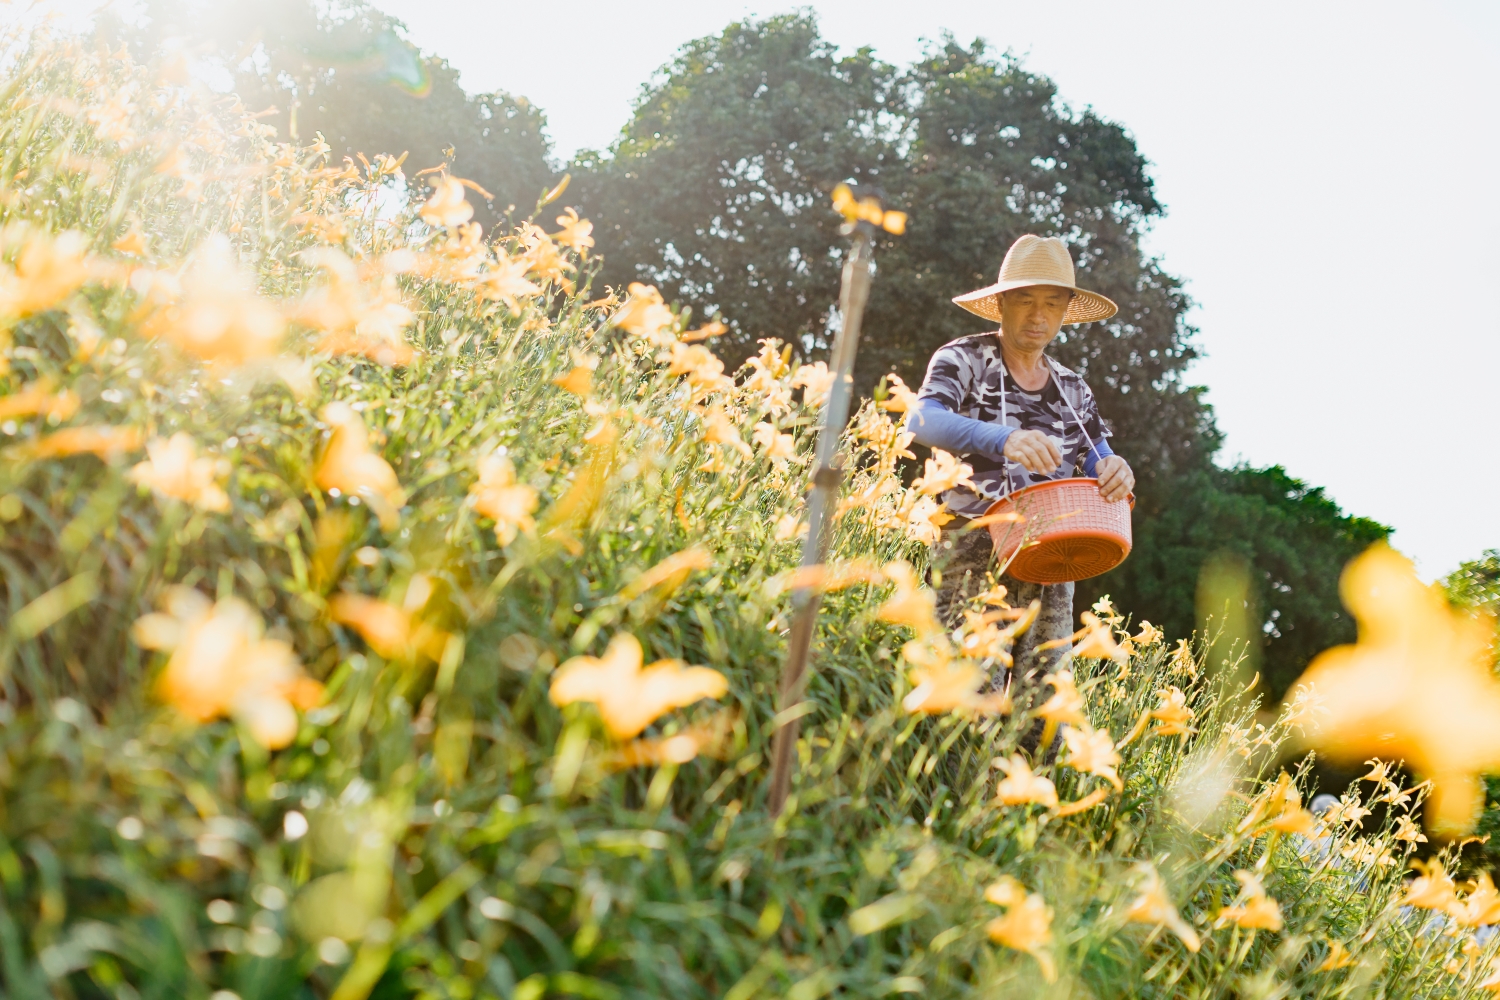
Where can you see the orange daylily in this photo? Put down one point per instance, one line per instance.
(222, 665)
(349, 465)
(816, 380)
(1066, 703)
(498, 496)
(1020, 785)
(943, 472)
(645, 315)
(37, 399)
(911, 604)
(1026, 924)
(173, 469)
(575, 231)
(47, 270)
(630, 697)
(1094, 753)
(1417, 686)
(447, 207)
(218, 317)
(1153, 906)
(1098, 642)
(390, 630)
(1172, 714)
(1254, 910)
(103, 440)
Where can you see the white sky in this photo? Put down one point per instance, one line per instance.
(1329, 170)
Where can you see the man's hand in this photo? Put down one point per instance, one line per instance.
(1034, 450)
(1115, 478)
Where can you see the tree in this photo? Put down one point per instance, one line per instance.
(343, 69)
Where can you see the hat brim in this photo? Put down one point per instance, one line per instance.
(1085, 307)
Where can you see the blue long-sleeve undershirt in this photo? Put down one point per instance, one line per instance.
(934, 425)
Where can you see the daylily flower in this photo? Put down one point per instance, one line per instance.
(1084, 804)
(173, 469)
(1338, 957)
(911, 604)
(1149, 635)
(219, 317)
(628, 696)
(704, 371)
(579, 381)
(670, 573)
(37, 399)
(447, 207)
(1066, 703)
(718, 428)
(575, 231)
(1409, 832)
(901, 398)
(498, 496)
(1433, 889)
(1021, 786)
(47, 270)
(353, 318)
(1098, 642)
(1481, 906)
(645, 315)
(925, 520)
(1093, 752)
(1418, 686)
(505, 281)
(349, 465)
(1172, 714)
(391, 630)
(817, 380)
(1025, 926)
(133, 243)
(1154, 907)
(222, 665)
(777, 446)
(951, 685)
(1255, 911)
(105, 441)
(789, 526)
(943, 472)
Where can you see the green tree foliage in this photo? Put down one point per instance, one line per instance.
(346, 71)
(1476, 584)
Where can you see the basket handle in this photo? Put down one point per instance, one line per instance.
(1082, 430)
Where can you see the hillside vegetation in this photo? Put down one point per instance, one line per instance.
(392, 612)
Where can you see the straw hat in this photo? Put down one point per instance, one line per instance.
(1037, 260)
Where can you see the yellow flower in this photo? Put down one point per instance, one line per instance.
(1433, 889)
(218, 317)
(901, 398)
(133, 243)
(575, 231)
(1149, 634)
(1172, 714)
(817, 380)
(709, 737)
(37, 399)
(945, 685)
(173, 469)
(1084, 804)
(353, 320)
(943, 472)
(1417, 686)
(1021, 786)
(777, 446)
(704, 371)
(1338, 957)
(1481, 906)
(447, 207)
(1182, 659)
(718, 428)
(912, 604)
(579, 381)
(1254, 910)
(1154, 907)
(505, 281)
(644, 315)
(1409, 832)
(222, 665)
(1098, 642)
(389, 629)
(670, 573)
(1066, 703)
(350, 467)
(1094, 753)
(47, 270)
(498, 496)
(1025, 926)
(628, 696)
(1005, 891)
(105, 441)
(925, 520)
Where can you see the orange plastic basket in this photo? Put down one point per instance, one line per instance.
(1067, 531)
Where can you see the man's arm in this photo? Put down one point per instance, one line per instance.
(934, 425)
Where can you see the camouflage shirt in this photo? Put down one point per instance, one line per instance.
(968, 377)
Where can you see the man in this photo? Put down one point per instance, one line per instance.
(1018, 418)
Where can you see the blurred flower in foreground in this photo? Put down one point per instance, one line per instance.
(1025, 926)
(1066, 703)
(390, 630)
(901, 398)
(103, 441)
(447, 207)
(1154, 907)
(173, 469)
(1416, 687)
(219, 317)
(1254, 910)
(912, 604)
(645, 315)
(951, 685)
(1433, 889)
(942, 472)
(498, 496)
(349, 465)
(1098, 641)
(817, 380)
(1172, 715)
(221, 665)
(1338, 957)
(777, 446)
(47, 270)
(37, 399)
(1094, 753)
(1020, 785)
(925, 520)
(355, 319)
(630, 697)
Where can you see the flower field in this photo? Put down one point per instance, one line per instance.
(392, 612)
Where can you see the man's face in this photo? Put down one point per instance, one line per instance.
(1030, 317)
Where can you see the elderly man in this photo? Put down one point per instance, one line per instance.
(1018, 418)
